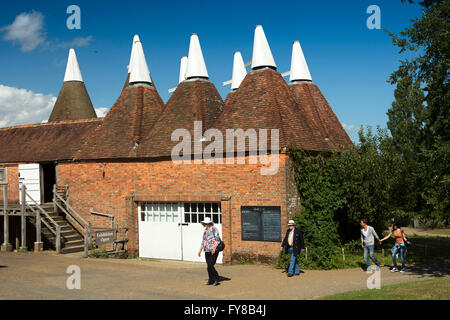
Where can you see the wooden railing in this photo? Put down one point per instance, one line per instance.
(42, 217)
(73, 216)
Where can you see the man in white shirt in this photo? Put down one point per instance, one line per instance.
(368, 235)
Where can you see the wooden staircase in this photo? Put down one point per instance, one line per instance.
(71, 239)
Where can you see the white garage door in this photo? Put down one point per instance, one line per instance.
(159, 231)
(173, 230)
(30, 176)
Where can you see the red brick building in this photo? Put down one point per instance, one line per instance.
(122, 164)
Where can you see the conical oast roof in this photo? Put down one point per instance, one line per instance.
(73, 102)
(193, 100)
(264, 101)
(313, 104)
(129, 119)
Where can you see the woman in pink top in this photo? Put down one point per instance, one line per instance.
(399, 247)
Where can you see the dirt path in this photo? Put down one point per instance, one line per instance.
(43, 276)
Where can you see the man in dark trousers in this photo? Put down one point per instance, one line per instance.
(293, 244)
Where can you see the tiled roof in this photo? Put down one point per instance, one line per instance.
(140, 126)
(44, 142)
(264, 101)
(73, 103)
(314, 105)
(124, 126)
(193, 100)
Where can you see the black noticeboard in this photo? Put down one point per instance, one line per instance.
(261, 223)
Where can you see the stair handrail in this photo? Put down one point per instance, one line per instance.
(49, 227)
(57, 228)
(74, 216)
(71, 212)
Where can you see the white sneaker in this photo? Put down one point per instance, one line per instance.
(369, 269)
(394, 269)
(402, 270)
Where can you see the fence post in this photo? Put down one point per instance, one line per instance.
(126, 242)
(382, 253)
(55, 208)
(6, 246)
(58, 239)
(38, 245)
(343, 256)
(90, 237)
(86, 242)
(24, 218)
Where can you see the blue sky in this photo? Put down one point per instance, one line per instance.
(349, 62)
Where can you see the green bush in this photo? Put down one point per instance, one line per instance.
(99, 253)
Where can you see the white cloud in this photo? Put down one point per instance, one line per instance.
(76, 42)
(27, 29)
(350, 128)
(101, 112)
(21, 106)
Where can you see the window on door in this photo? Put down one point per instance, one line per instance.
(159, 212)
(192, 212)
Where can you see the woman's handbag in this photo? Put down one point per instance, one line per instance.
(220, 246)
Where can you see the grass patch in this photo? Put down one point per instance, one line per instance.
(98, 253)
(143, 259)
(434, 289)
(423, 249)
(149, 259)
(439, 231)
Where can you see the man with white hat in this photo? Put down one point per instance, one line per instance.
(293, 244)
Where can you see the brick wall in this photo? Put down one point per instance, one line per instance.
(13, 183)
(116, 187)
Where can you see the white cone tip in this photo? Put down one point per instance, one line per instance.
(262, 55)
(196, 67)
(135, 39)
(139, 71)
(73, 72)
(239, 71)
(183, 67)
(299, 67)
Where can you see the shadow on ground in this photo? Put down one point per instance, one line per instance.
(435, 268)
(224, 279)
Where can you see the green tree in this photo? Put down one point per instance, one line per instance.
(428, 39)
(419, 117)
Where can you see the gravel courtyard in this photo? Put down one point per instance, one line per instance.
(43, 276)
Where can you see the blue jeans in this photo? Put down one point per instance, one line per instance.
(369, 252)
(401, 249)
(293, 266)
